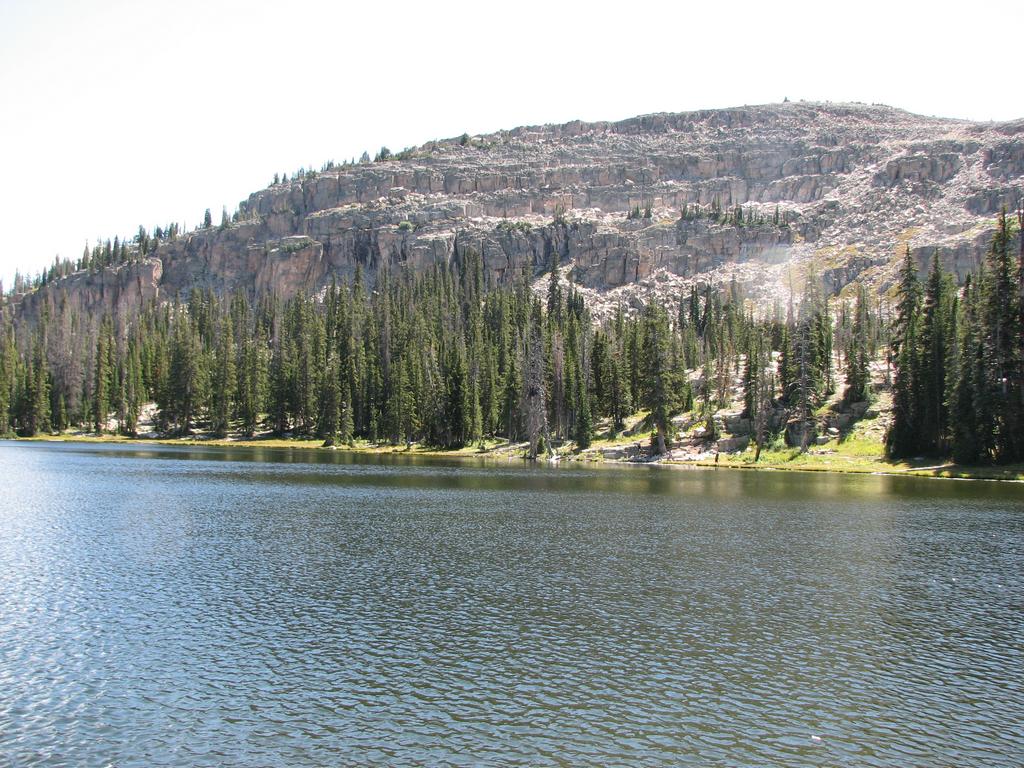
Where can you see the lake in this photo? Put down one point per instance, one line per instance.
(169, 606)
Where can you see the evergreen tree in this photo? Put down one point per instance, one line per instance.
(933, 420)
(8, 366)
(584, 424)
(759, 386)
(659, 395)
(328, 424)
(345, 414)
(186, 376)
(410, 422)
(534, 394)
(967, 447)
(251, 386)
(858, 355)
(101, 380)
(904, 434)
(1001, 340)
(134, 390)
(224, 382)
(281, 377)
(36, 410)
(787, 356)
(456, 408)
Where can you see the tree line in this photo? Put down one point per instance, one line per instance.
(444, 359)
(438, 358)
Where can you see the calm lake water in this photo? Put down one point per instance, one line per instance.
(175, 606)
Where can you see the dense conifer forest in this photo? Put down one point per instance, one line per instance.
(445, 360)
(959, 359)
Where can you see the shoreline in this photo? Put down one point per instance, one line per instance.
(824, 463)
(949, 471)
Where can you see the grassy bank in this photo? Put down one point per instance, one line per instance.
(858, 454)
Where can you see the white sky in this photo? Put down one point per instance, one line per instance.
(128, 112)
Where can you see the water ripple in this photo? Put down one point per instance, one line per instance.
(163, 608)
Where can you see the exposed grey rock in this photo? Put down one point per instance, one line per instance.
(732, 444)
(858, 409)
(737, 425)
(801, 433)
(849, 182)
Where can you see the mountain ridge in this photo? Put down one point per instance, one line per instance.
(629, 209)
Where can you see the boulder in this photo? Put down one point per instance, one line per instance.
(732, 444)
(800, 433)
(857, 410)
(738, 425)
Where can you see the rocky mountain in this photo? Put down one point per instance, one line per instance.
(629, 209)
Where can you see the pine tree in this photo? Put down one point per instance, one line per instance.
(1001, 337)
(456, 409)
(330, 404)
(933, 420)
(759, 386)
(967, 448)
(619, 401)
(37, 393)
(599, 373)
(186, 375)
(60, 418)
(410, 422)
(584, 424)
(392, 405)
(250, 383)
(659, 395)
(858, 357)
(904, 434)
(8, 365)
(280, 382)
(223, 382)
(512, 395)
(806, 385)
(908, 300)
(134, 390)
(345, 413)
(305, 330)
(904, 437)
(101, 380)
(534, 406)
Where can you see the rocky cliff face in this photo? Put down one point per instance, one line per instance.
(843, 186)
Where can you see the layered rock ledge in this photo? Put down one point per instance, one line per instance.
(843, 185)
